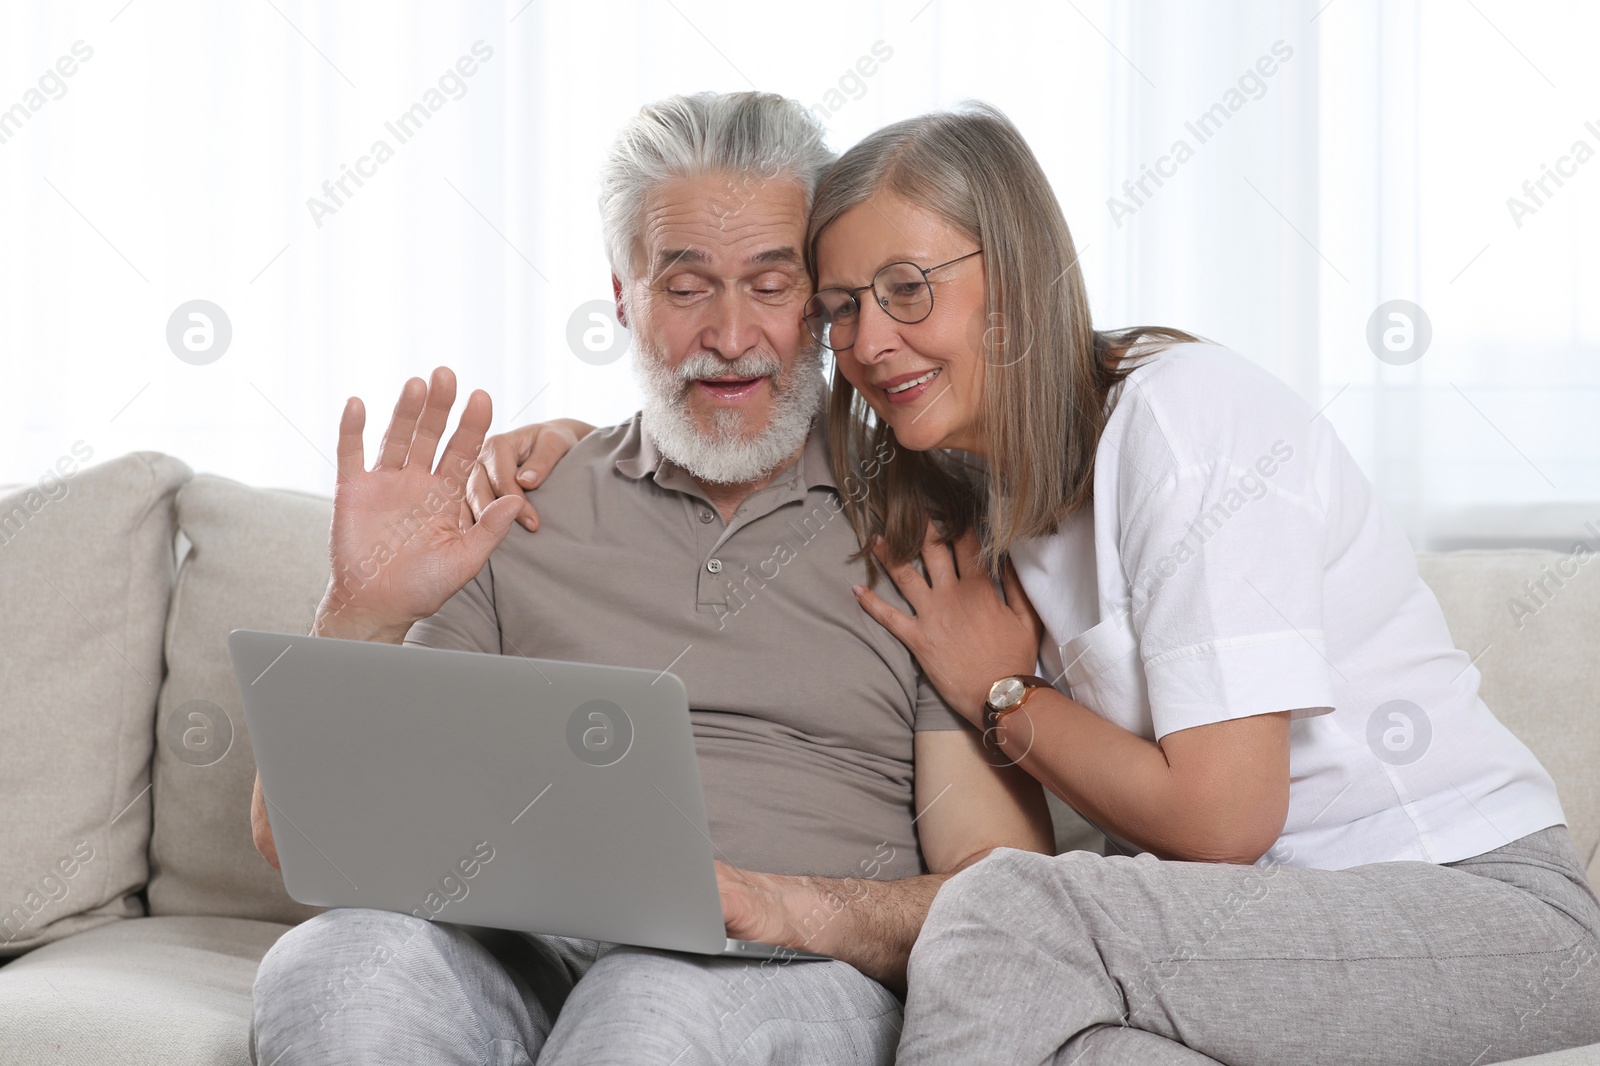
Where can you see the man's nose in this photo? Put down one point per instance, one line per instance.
(734, 328)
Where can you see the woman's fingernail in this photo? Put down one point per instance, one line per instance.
(527, 477)
(859, 590)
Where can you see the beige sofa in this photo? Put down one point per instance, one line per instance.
(135, 909)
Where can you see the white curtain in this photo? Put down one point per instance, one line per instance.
(1340, 155)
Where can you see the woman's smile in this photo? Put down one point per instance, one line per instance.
(905, 388)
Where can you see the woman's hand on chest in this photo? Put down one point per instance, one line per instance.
(964, 635)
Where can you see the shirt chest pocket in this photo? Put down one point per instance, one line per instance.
(1101, 669)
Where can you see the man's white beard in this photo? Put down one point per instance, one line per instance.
(723, 456)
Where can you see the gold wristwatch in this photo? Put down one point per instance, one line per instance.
(1005, 696)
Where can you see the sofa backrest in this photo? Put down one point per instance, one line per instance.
(1531, 619)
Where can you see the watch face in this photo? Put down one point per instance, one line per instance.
(1006, 693)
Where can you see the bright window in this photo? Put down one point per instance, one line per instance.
(1339, 155)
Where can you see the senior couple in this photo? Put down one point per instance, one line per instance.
(1191, 559)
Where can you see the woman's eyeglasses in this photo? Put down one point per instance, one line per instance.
(901, 289)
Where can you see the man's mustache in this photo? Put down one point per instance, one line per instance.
(710, 365)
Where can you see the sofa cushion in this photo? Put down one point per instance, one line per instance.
(86, 565)
(1532, 621)
(257, 559)
(163, 991)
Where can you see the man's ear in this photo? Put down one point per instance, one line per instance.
(616, 294)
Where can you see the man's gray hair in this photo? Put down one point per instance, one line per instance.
(754, 137)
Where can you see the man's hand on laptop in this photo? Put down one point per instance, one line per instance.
(868, 923)
(513, 462)
(403, 540)
(758, 906)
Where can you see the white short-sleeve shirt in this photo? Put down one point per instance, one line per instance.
(1236, 562)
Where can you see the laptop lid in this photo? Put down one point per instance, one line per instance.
(548, 797)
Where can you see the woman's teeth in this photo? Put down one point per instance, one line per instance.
(929, 376)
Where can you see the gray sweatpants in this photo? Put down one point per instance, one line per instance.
(367, 986)
(1029, 959)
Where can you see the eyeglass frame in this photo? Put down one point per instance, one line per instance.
(924, 271)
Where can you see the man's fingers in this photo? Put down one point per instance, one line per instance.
(936, 558)
(479, 494)
(466, 441)
(435, 416)
(402, 424)
(549, 447)
(732, 884)
(352, 455)
(484, 537)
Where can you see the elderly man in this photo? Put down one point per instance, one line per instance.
(703, 535)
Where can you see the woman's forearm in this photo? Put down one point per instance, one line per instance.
(1214, 792)
(1118, 780)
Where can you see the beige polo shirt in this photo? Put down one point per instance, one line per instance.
(803, 707)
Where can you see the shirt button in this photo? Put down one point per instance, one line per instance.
(715, 566)
(705, 516)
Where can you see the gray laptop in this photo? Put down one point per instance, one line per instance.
(491, 790)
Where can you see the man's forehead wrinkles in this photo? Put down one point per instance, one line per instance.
(744, 223)
(703, 230)
(705, 216)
